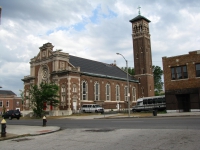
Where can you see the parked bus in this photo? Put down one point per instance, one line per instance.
(150, 103)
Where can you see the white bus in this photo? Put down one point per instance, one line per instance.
(150, 103)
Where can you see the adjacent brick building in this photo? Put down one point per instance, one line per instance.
(84, 81)
(182, 82)
(9, 101)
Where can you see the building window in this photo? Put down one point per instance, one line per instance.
(63, 89)
(96, 91)
(117, 93)
(134, 94)
(126, 93)
(7, 104)
(84, 90)
(107, 92)
(1, 104)
(179, 72)
(17, 103)
(63, 93)
(197, 70)
(74, 88)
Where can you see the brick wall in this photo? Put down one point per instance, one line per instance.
(189, 60)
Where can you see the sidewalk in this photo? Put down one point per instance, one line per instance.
(14, 131)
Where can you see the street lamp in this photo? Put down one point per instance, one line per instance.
(127, 84)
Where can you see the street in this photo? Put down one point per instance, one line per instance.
(98, 139)
(128, 134)
(118, 123)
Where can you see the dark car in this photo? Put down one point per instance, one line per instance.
(12, 114)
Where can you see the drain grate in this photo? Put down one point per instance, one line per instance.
(100, 130)
(21, 140)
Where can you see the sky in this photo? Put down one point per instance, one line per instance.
(91, 29)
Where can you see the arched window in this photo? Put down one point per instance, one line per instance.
(140, 28)
(134, 94)
(63, 93)
(74, 89)
(108, 92)
(139, 80)
(126, 93)
(135, 29)
(84, 90)
(96, 91)
(117, 93)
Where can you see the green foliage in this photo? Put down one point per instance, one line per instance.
(131, 71)
(4, 109)
(42, 95)
(158, 84)
(22, 96)
(157, 72)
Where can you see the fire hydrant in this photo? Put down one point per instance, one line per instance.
(3, 128)
(44, 121)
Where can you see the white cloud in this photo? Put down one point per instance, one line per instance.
(26, 26)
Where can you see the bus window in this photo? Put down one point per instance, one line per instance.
(150, 101)
(145, 101)
(159, 100)
(163, 100)
(139, 103)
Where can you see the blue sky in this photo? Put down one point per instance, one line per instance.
(92, 29)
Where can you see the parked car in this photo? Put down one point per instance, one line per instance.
(12, 114)
(92, 108)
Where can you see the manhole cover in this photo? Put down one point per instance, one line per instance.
(100, 130)
(21, 140)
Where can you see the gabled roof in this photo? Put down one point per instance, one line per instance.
(98, 68)
(139, 17)
(6, 92)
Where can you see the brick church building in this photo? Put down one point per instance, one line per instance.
(83, 81)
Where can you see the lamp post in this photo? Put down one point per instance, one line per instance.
(128, 94)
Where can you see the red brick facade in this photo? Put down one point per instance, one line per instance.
(55, 67)
(142, 55)
(10, 102)
(182, 84)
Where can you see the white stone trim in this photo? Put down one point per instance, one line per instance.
(193, 110)
(174, 111)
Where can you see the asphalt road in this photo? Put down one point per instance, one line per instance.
(122, 123)
(157, 133)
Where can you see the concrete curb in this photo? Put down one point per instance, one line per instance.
(35, 132)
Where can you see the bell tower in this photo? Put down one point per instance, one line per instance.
(142, 55)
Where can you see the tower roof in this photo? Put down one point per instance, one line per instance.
(139, 17)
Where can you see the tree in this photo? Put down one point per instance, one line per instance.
(22, 97)
(4, 109)
(158, 84)
(157, 72)
(45, 94)
(131, 71)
